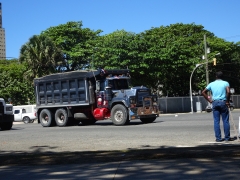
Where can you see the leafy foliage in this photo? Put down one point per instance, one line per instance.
(41, 56)
(13, 85)
(76, 43)
(161, 58)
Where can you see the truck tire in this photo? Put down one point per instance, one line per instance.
(46, 118)
(6, 126)
(61, 117)
(119, 115)
(148, 120)
(26, 119)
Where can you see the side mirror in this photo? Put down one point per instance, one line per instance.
(97, 85)
(108, 93)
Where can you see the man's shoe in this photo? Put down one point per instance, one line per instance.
(219, 140)
(230, 139)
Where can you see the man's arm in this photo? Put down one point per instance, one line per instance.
(227, 94)
(205, 95)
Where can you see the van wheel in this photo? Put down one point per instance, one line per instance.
(26, 119)
(61, 117)
(119, 115)
(6, 125)
(147, 120)
(46, 118)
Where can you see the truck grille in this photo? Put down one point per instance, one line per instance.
(140, 96)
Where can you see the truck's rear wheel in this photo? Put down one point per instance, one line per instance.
(26, 119)
(119, 115)
(61, 117)
(148, 120)
(6, 125)
(46, 118)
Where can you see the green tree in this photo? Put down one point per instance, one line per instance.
(13, 84)
(114, 50)
(77, 43)
(41, 56)
(122, 50)
(170, 55)
(228, 61)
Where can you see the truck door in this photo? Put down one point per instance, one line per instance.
(17, 115)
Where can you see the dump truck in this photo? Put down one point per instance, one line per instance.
(87, 96)
(6, 115)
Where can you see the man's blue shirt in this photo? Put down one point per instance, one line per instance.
(218, 89)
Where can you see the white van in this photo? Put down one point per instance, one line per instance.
(25, 113)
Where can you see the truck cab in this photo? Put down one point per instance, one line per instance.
(125, 102)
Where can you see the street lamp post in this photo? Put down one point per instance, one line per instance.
(197, 65)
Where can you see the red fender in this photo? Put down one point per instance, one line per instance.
(101, 113)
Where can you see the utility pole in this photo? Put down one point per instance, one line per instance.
(207, 73)
(205, 57)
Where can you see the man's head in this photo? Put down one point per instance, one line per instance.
(219, 75)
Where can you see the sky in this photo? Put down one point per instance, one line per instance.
(24, 18)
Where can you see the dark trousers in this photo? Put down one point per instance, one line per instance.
(220, 109)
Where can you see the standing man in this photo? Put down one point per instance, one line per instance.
(220, 101)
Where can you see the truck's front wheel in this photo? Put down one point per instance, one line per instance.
(46, 118)
(61, 117)
(6, 125)
(119, 115)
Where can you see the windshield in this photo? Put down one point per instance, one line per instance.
(118, 84)
(115, 84)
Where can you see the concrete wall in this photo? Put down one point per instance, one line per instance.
(183, 104)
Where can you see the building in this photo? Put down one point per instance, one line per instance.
(2, 37)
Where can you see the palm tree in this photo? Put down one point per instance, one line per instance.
(41, 56)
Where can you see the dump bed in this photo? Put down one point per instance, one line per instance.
(69, 88)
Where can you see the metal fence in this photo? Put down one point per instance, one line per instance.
(183, 104)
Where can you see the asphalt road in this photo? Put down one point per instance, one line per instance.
(175, 130)
(174, 147)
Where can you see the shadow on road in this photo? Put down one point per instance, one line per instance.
(218, 161)
(39, 155)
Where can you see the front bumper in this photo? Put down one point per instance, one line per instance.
(143, 112)
(6, 118)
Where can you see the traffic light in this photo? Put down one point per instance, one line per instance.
(214, 61)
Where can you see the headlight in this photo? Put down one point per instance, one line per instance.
(132, 100)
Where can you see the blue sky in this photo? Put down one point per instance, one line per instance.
(24, 18)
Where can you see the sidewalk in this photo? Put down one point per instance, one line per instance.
(223, 168)
(218, 161)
